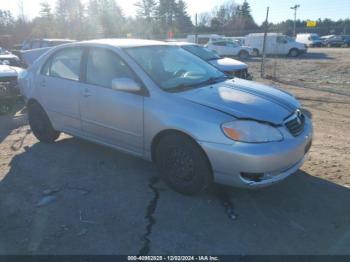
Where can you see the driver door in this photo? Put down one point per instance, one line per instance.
(109, 116)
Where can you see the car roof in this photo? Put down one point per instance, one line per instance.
(181, 43)
(123, 43)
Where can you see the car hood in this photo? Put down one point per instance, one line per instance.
(9, 71)
(228, 64)
(8, 56)
(246, 100)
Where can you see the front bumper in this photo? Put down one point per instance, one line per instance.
(242, 73)
(275, 161)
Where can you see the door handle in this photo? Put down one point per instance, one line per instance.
(86, 93)
(43, 83)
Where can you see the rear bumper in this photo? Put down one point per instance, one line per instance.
(272, 161)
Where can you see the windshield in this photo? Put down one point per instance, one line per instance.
(201, 52)
(175, 69)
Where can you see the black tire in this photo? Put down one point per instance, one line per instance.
(40, 124)
(294, 52)
(183, 165)
(255, 52)
(243, 55)
(5, 108)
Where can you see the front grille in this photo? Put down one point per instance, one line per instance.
(8, 86)
(241, 73)
(297, 124)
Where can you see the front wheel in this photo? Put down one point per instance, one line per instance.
(243, 55)
(40, 124)
(5, 108)
(294, 52)
(255, 52)
(183, 165)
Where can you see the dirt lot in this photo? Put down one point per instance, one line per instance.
(74, 197)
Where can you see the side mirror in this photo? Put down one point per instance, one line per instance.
(125, 84)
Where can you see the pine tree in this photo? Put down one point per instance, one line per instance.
(244, 9)
(45, 10)
(182, 19)
(146, 9)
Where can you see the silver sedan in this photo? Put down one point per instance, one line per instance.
(164, 104)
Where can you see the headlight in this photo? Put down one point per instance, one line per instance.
(251, 132)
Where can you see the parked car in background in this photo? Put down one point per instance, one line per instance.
(166, 105)
(276, 44)
(8, 58)
(336, 41)
(230, 48)
(311, 40)
(204, 39)
(229, 66)
(42, 43)
(239, 39)
(9, 91)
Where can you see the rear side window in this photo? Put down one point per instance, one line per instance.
(103, 66)
(66, 64)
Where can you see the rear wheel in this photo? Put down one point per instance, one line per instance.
(40, 124)
(182, 164)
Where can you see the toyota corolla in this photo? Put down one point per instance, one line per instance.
(164, 104)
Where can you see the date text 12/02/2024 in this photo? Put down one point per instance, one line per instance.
(173, 258)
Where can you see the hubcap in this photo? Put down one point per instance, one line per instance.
(181, 165)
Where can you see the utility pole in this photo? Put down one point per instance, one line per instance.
(262, 71)
(295, 8)
(196, 34)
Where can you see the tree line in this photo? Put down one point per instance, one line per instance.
(79, 20)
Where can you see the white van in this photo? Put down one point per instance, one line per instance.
(204, 39)
(276, 44)
(311, 40)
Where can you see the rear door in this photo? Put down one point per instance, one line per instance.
(60, 88)
(110, 116)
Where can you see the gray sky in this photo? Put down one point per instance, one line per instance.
(279, 9)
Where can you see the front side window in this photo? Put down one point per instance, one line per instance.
(281, 40)
(66, 64)
(219, 43)
(173, 68)
(232, 44)
(103, 66)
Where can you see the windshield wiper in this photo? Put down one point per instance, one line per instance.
(209, 81)
(213, 80)
(213, 58)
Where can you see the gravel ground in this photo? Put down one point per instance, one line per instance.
(74, 197)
